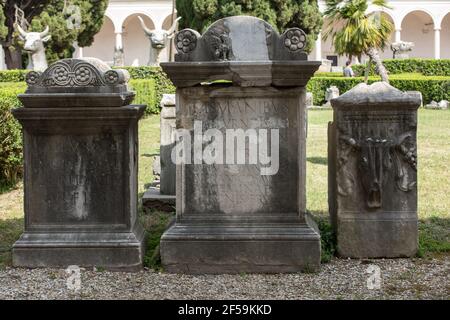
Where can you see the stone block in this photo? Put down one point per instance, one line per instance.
(373, 172)
(80, 161)
(231, 217)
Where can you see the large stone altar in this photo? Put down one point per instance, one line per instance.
(80, 158)
(241, 214)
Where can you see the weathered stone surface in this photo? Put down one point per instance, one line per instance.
(164, 191)
(309, 101)
(244, 50)
(230, 217)
(442, 105)
(373, 172)
(168, 127)
(331, 93)
(401, 49)
(80, 170)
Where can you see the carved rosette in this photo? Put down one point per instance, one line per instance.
(77, 73)
(186, 40)
(32, 77)
(294, 39)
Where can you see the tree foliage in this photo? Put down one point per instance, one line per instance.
(354, 32)
(56, 15)
(282, 14)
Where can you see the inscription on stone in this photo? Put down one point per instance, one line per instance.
(80, 169)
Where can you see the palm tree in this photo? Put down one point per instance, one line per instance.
(355, 33)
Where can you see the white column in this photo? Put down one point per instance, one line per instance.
(80, 52)
(119, 41)
(437, 43)
(398, 35)
(2, 59)
(318, 56)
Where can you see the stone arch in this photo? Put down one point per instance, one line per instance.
(418, 27)
(445, 36)
(167, 23)
(136, 44)
(423, 10)
(104, 42)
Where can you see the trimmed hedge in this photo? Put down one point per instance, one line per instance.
(10, 137)
(328, 74)
(162, 84)
(13, 75)
(427, 67)
(146, 93)
(432, 88)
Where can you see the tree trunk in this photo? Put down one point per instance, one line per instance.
(13, 58)
(367, 71)
(379, 67)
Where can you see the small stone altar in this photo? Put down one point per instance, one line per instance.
(158, 196)
(241, 216)
(373, 172)
(80, 158)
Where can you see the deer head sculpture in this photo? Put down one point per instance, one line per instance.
(34, 44)
(158, 39)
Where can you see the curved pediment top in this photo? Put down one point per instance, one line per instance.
(67, 74)
(240, 38)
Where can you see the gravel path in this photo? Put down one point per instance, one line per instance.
(340, 279)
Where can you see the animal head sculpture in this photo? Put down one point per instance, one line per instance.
(159, 37)
(402, 46)
(34, 41)
(34, 44)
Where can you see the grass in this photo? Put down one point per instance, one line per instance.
(434, 177)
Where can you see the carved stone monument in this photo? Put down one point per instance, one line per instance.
(373, 172)
(158, 40)
(165, 193)
(80, 157)
(401, 49)
(241, 212)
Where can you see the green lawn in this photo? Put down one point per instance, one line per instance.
(434, 177)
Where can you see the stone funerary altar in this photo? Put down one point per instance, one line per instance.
(373, 172)
(236, 215)
(80, 153)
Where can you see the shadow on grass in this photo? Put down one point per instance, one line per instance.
(318, 160)
(10, 231)
(150, 155)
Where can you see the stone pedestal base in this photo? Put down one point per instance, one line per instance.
(392, 235)
(122, 251)
(264, 248)
(153, 197)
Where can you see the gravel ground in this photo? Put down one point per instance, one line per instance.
(339, 279)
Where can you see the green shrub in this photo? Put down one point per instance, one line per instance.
(10, 137)
(13, 75)
(145, 94)
(328, 74)
(432, 88)
(162, 84)
(427, 67)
